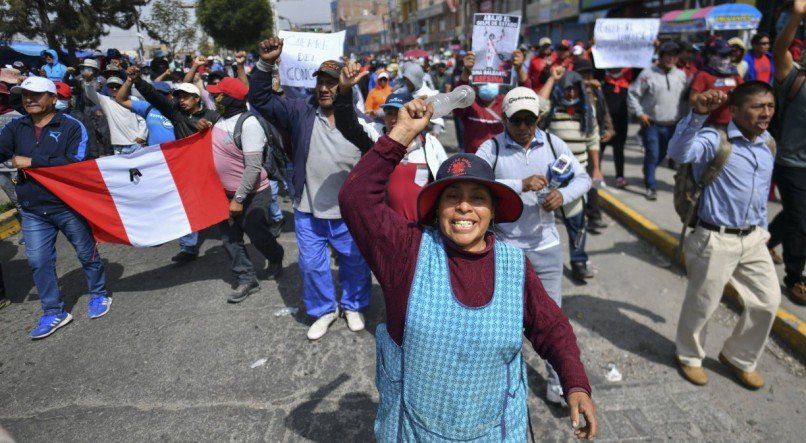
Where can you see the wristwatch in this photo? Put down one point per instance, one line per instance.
(239, 198)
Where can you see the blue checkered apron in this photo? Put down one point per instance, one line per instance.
(460, 374)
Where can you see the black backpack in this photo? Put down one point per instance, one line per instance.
(274, 159)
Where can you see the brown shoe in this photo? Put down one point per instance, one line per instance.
(694, 374)
(797, 293)
(750, 380)
(776, 259)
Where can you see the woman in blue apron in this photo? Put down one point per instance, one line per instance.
(449, 365)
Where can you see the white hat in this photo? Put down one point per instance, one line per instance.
(114, 81)
(523, 99)
(577, 50)
(90, 63)
(35, 84)
(187, 88)
(383, 74)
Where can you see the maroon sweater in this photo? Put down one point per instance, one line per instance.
(390, 244)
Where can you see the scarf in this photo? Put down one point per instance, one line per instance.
(232, 106)
(618, 83)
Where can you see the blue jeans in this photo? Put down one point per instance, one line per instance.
(574, 226)
(656, 142)
(125, 149)
(39, 232)
(318, 292)
(274, 208)
(189, 243)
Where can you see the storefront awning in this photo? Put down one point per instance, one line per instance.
(725, 17)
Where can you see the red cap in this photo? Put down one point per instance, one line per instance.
(231, 87)
(63, 90)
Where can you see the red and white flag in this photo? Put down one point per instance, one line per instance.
(154, 195)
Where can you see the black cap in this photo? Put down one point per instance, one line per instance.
(667, 47)
(583, 65)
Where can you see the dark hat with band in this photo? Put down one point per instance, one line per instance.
(468, 168)
(330, 67)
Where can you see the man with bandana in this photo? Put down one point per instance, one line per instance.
(718, 73)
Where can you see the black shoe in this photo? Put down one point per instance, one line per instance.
(276, 228)
(242, 291)
(651, 194)
(596, 223)
(274, 271)
(183, 258)
(580, 271)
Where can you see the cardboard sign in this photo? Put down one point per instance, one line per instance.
(495, 38)
(302, 54)
(624, 43)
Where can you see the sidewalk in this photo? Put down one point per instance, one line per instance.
(658, 222)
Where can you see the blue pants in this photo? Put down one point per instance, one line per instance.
(125, 149)
(189, 243)
(39, 232)
(274, 208)
(656, 142)
(574, 226)
(318, 292)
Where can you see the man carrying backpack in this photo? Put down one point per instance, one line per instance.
(728, 243)
(790, 163)
(246, 182)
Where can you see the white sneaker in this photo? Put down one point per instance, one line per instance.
(319, 327)
(554, 394)
(355, 320)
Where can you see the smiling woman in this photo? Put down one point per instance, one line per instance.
(458, 301)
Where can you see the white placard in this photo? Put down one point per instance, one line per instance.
(303, 52)
(624, 43)
(495, 38)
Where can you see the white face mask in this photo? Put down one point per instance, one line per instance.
(61, 105)
(720, 64)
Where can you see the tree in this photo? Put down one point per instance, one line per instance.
(170, 23)
(234, 25)
(66, 23)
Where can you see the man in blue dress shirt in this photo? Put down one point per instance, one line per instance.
(729, 242)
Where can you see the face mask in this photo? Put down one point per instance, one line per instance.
(571, 102)
(488, 92)
(720, 64)
(61, 105)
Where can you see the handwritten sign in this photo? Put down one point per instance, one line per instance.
(303, 52)
(624, 43)
(495, 38)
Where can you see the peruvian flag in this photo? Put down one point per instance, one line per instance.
(154, 195)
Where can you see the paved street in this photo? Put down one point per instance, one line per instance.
(172, 360)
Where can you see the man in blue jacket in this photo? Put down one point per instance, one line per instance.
(45, 137)
(760, 65)
(322, 159)
(52, 69)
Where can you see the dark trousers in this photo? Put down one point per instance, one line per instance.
(790, 225)
(592, 210)
(254, 221)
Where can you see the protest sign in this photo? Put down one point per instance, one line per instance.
(303, 52)
(495, 38)
(624, 43)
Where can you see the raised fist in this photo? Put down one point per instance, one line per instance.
(270, 49)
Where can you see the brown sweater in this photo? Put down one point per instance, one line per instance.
(390, 244)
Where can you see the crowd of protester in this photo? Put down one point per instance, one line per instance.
(366, 173)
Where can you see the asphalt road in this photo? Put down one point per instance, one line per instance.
(173, 361)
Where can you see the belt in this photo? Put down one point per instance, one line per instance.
(741, 232)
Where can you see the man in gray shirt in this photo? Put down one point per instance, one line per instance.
(655, 98)
(322, 158)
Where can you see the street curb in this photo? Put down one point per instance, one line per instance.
(9, 225)
(787, 326)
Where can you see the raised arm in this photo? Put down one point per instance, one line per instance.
(781, 54)
(240, 72)
(557, 72)
(276, 109)
(124, 93)
(344, 112)
(151, 95)
(191, 74)
(689, 144)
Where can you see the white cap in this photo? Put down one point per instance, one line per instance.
(523, 99)
(35, 84)
(577, 50)
(188, 88)
(383, 74)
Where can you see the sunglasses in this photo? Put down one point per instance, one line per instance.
(530, 120)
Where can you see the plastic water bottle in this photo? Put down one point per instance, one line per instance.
(444, 103)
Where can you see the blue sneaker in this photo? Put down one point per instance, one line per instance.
(99, 306)
(48, 324)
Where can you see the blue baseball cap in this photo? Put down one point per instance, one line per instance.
(163, 87)
(719, 46)
(398, 100)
